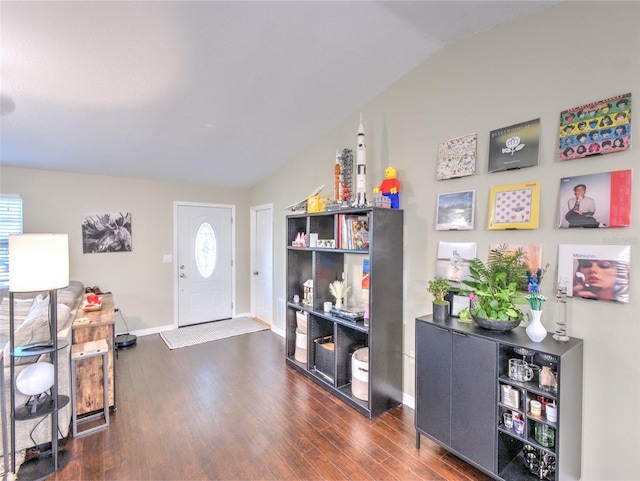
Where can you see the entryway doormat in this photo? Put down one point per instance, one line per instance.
(210, 331)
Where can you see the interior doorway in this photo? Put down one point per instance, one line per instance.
(261, 226)
(204, 267)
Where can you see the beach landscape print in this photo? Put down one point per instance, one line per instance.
(455, 210)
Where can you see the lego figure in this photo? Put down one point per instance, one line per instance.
(390, 187)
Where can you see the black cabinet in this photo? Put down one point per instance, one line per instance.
(433, 371)
(455, 378)
(464, 388)
(372, 266)
(472, 391)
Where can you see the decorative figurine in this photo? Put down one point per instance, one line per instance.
(308, 293)
(390, 187)
(301, 240)
(361, 169)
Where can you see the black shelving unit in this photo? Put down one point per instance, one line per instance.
(383, 334)
(461, 371)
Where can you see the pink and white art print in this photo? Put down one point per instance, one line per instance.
(514, 206)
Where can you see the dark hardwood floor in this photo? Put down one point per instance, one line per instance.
(232, 410)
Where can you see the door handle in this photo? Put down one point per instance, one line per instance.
(255, 273)
(182, 274)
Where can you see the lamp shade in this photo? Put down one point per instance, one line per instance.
(35, 378)
(38, 262)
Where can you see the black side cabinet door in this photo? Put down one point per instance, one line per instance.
(474, 399)
(433, 381)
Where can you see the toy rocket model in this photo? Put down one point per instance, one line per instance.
(337, 184)
(361, 169)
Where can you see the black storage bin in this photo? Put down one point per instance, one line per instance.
(325, 356)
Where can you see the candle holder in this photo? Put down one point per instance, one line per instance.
(561, 313)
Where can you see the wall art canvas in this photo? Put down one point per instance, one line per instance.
(597, 128)
(110, 232)
(457, 157)
(453, 259)
(597, 272)
(533, 253)
(514, 147)
(596, 200)
(455, 210)
(515, 206)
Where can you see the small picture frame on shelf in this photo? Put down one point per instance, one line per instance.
(457, 302)
(455, 210)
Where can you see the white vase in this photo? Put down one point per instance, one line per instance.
(535, 329)
(338, 303)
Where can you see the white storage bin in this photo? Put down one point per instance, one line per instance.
(301, 346)
(301, 324)
(360, 374)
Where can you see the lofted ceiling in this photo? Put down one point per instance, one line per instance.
(214, 92)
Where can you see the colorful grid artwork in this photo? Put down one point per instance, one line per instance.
(514, 206)
(598, 128)
(457, 157)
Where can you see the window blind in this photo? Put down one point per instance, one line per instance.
(10, 223)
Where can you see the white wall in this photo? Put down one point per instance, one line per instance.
(569, 55)
(142, 284)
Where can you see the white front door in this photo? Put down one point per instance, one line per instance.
(262, 262)
(204, 263)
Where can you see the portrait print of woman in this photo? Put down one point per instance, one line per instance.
(601, 279)
(596, 272)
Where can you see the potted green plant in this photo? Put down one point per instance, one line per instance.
(496, 286)
(438, 288)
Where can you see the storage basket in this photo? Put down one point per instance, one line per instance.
(325, 356)
(360, 374)
(301, 322)
(301, 346)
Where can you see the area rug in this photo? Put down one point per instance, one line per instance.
(19, 460)
(210, 331)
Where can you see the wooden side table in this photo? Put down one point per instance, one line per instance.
(81, 353)
(93, 326)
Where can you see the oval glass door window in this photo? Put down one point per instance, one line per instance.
(206, 250)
